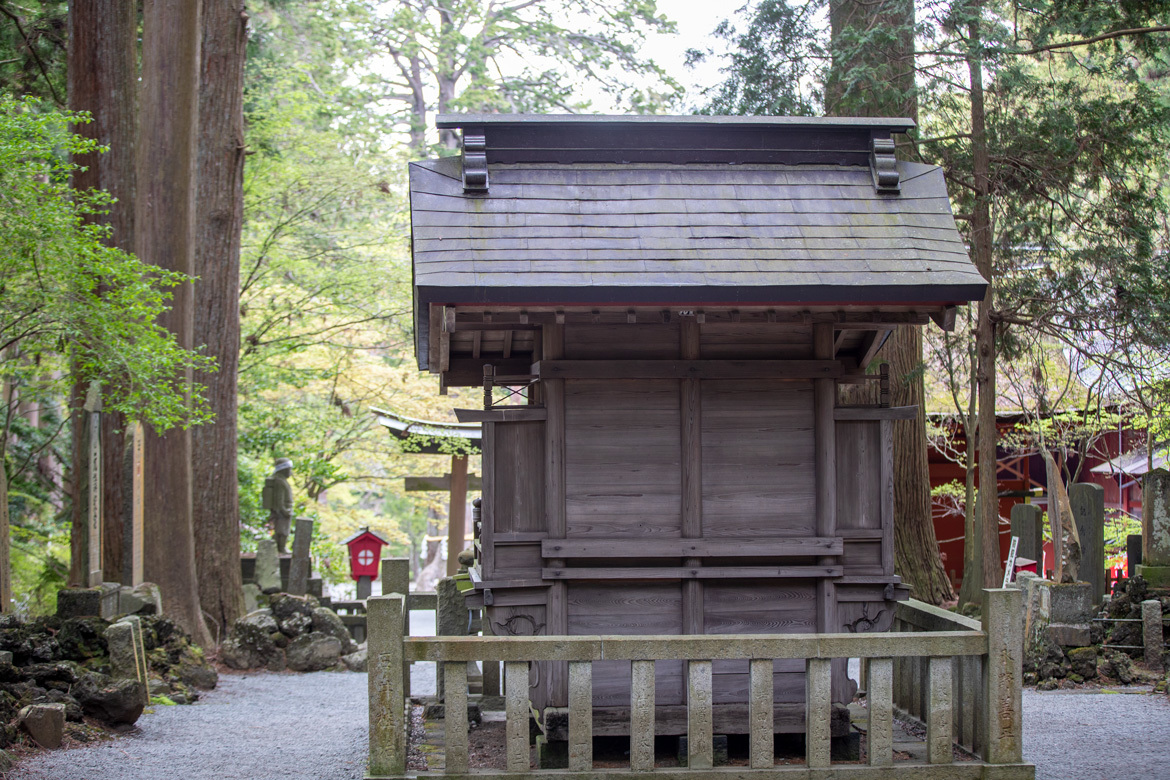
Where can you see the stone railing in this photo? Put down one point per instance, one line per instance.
(891, 659)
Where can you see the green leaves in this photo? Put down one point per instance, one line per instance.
(68, 299)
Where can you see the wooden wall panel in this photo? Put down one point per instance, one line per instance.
(518, 484)
(622, 459)
(628, 609)
(757, 458)
(862, 558)
(517, 562)
(759, 608)
(859, 472)
(759, 341)
(617, 342)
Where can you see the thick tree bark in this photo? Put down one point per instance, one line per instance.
(981, 248)
(103, 80)
(165, 236)
(219, 217)
(890, 92)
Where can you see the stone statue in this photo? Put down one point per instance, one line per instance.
(278, 500)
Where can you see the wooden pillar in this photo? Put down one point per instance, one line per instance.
(825, 442)
(553, 348)
(457, 514)
(690, 406)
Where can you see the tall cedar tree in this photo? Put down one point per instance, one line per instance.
(102, 80)
(165, 236)
(219, 218)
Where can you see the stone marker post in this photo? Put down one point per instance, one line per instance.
(395, 576)
(1088, 508)
(1028, 526)
(1152, 632)
(301, 565)
(451, 620)
(93, 494)
(387, 701)
(128, 652)
(135, 508)
(267, 574)
(1003, 622)
(1155, 567)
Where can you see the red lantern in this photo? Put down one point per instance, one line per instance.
(365, 553)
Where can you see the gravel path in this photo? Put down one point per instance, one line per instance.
(1095, 735)
(252, 727)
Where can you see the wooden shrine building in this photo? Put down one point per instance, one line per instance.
(682, 297)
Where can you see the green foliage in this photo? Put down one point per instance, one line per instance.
(68, 299)
(32, 48)
(40, 566)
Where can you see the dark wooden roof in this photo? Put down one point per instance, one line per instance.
(587, 210)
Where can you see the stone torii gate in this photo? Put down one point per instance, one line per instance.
(435, 438)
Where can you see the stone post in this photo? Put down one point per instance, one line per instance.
(1155, 567)
(301, 565)
(386, 693)
(1133, 554)
(1088, 508)
(1003, 622)
(267, 573)
(1152, 632)
(395, 575)
(1028, 526)
(93, 493)
(451, 620)
(128, 652)
(133, 506)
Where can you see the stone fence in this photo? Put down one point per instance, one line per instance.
(963, 679)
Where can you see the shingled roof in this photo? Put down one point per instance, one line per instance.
(591, 210)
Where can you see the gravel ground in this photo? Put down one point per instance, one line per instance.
(1097, 735)
(252, 727)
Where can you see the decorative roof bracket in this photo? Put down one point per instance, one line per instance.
(475, 172)
(884, 166)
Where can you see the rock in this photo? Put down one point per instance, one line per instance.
(313, 652)
(295, 625)
(1083, 661)
(251, 597)
(1119, 667)
(1047, 685)
(72, 706)
(45, 723)
(261, 619)
(5, 657)
(113, 701)
(247, 647)
(46, 675)
(356, 661)
(7, 761)
(79, 602)
(277, 662)
(326, 621)
(1049, 671)
(124, 660)
(82, 638)
(158, 687)
(191, 670)
(284, 606)
(267, 575)
(142, 599)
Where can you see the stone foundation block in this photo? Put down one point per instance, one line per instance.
(1067, 635)
(1071, 603)
(1155, 576)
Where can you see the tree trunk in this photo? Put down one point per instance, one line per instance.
(891, 92)
(6, 390)
(219, 216)
(165, 236)
(103, 80)
(981, 250)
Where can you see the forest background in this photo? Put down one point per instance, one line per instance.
(1050, 120)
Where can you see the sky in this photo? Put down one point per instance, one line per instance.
(695, 19)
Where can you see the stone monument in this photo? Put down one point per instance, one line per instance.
(1088, 507)
(277, 498)
(301, 566)
(1155, 566)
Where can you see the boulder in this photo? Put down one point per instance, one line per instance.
(356, 661)
(1083, 661)
(261, 619)
(110, 700)
(313, 652)
(326, 621)
(295, 625)
(45, 723)
(1119, 667)
(72, 707)
(284, 606)
(82, 638)
(142, 599)
(192, 671)
(247, 647)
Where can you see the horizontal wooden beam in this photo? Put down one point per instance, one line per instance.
(706, 647)
(502, 414)
(689, 572)
(437, 484)
(973, 770)
(688, 369)
(691, 548)
(468, 372)
(874, 413)
(467, 317)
